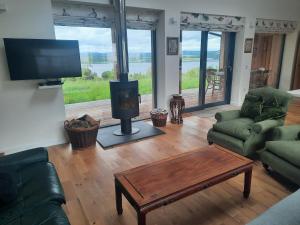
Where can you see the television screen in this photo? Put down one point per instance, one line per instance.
(30, 59)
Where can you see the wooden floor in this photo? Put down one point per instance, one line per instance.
(87, 178)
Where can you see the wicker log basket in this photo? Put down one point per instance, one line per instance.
(159, 117)
(82, 132)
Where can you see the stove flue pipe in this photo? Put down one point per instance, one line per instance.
(121, 39)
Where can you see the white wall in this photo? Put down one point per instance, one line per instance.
(31, 117)
(28, 117)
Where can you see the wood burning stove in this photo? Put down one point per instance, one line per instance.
(124, 104)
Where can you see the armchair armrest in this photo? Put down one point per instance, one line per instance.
(21, 159)
(287, 133)
(227, 115)
(266, 125)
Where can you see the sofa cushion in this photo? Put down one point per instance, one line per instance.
(38, 184)
(287, 150)
(8, 187)
(239, 128)
(48, 214)
(252, 106)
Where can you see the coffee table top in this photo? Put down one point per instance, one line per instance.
(160, 179)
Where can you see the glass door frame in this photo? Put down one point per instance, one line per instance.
(154, 67)
(229, 59)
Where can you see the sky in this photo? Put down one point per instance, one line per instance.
(99, 39)
(191, 41)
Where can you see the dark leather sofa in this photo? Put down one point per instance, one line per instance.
(39, 191)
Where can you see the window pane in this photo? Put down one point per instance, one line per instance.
(191, 42)
(215, 68)
(90, 93)
(140, 67)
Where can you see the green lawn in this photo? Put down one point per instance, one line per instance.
(94, 88)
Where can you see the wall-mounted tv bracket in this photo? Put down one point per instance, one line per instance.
(55, 83)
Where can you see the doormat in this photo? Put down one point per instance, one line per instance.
(107, 139)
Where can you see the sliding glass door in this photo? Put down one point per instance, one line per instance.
(206, 68)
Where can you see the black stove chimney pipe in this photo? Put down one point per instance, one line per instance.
(121, 39)
(122, 55)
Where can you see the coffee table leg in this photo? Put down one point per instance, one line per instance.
(141, 218)
(247, 183)
(118, 198)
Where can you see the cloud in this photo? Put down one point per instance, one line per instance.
(100, 40)
(191, 41)
(139, 40)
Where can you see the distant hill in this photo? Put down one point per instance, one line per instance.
(196, 54)
(99, 58)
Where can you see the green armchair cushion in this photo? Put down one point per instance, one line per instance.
(227, 115)
(287, 150)
(270, 113)
(239, 128)
(266, 125)
(287, 133)
(252, 106)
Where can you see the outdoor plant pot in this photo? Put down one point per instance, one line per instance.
(82, 132)
(159, 117)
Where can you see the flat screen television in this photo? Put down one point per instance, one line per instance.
(32, 59)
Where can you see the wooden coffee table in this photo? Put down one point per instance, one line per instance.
(160, 183)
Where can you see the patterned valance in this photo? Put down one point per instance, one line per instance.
(207, 22)
(275, 26)
(96, 15)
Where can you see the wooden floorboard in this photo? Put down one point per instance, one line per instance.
(87, 178)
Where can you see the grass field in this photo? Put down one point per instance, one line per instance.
(84, 90)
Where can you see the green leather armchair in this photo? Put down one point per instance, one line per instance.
(39, 191)
(282, 154)
(242, 134)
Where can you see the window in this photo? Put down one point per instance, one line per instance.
(90, 93)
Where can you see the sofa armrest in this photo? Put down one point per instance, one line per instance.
(286, 133)
(266, 125)
(21, 159)
(227, 115)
